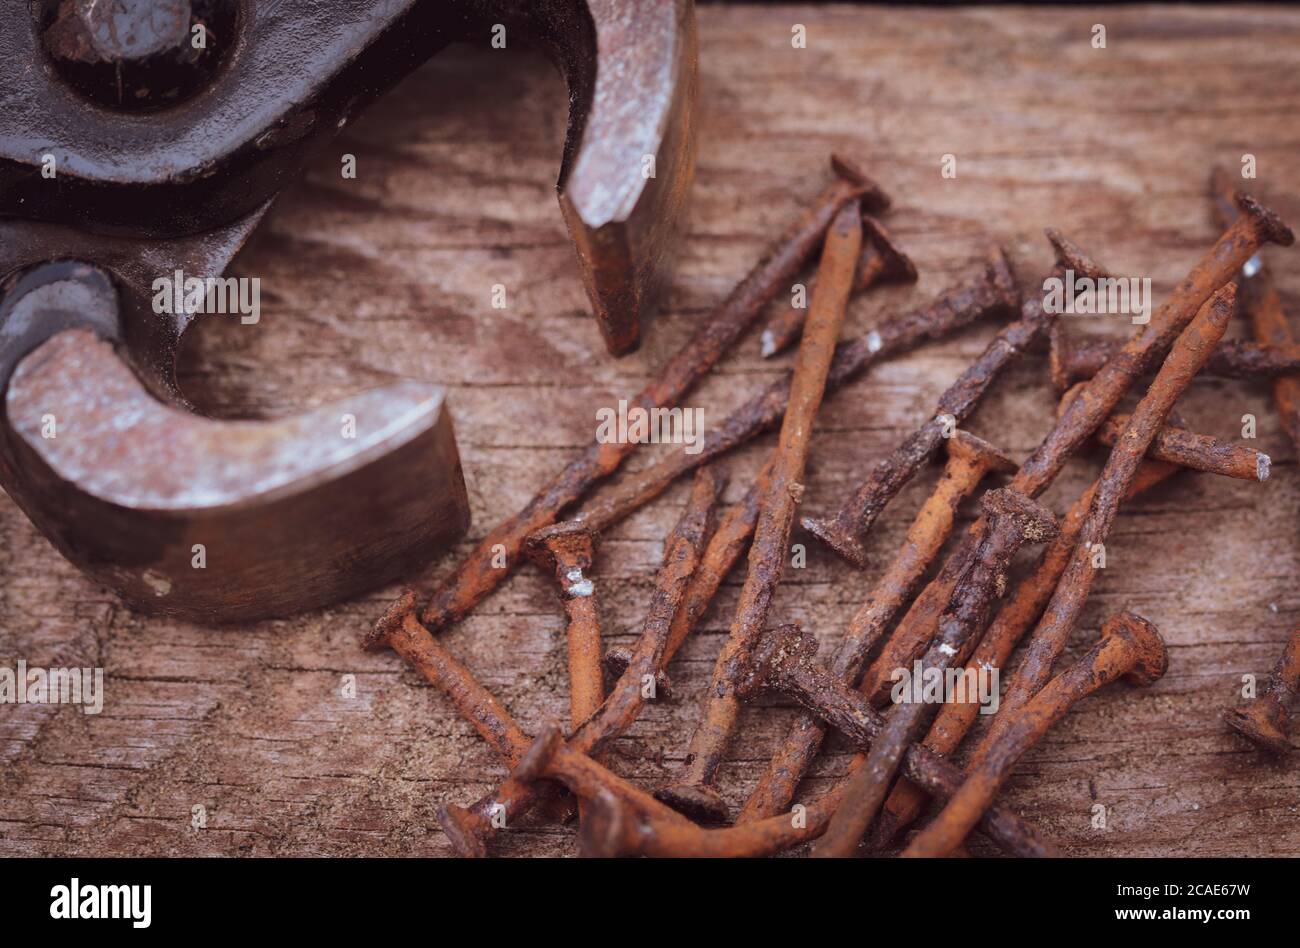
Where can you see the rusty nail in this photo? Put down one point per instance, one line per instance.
(843, 532)
(724, 548)
(466, 828)
(882, 261)
(1097, 400)
(516, 796)
(568, 549)
(399, 630)
(1175, 444)
(1257, 226)
(1049, 638)
(1263, 306)
(955, 309)
(477, 575)
(1013, 520)
(620, 825)
(970, 459)
(549, 757)
(1196, 451)
(768, 551)
(1265, 719)
(1021, 610)
(1073, 360)
(1130, 647)
(784, 661)
(682, 553)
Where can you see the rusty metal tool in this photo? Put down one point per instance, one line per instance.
(210, 520)
(165, 157)
(154, 139)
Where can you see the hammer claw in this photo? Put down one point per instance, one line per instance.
(222, 520)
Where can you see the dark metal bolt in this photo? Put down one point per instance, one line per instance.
(136, 55)
(1130, 647)
(1265, 720)
(1013, 519)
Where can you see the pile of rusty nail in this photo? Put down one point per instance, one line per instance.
(905, 751)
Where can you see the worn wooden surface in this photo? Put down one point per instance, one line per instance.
(390, 275)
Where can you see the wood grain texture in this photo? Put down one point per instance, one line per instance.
(390, 275)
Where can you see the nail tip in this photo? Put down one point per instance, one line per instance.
(695, 801)
(1257, 729)
(849, 549)
(456, 823)
(873, 195)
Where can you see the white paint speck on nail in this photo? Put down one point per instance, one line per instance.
(159, 583)
(578, 586)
